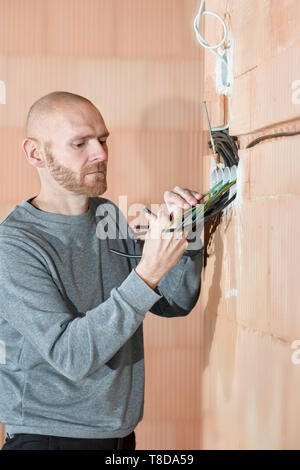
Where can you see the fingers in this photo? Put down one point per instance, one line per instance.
(177, 216)
(161, 224)
(197, 195)
(153, 231)
(164, 221)
(175, 200)
(150, 217)
(189, 197)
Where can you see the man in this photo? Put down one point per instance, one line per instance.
(71, 310)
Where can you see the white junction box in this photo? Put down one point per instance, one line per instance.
(219, 173)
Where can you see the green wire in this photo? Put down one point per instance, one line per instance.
(206, 207)
(188, 210)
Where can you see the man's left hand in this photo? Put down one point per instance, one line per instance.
(181, 199)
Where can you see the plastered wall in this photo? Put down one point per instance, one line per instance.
(249, 303)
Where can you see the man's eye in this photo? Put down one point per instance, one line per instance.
(102, 142)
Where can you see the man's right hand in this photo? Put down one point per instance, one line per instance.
(161, 250)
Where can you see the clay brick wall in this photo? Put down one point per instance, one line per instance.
(139, 62)
(249, 304)
(223, 376)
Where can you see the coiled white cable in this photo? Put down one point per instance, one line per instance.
(205, 44)
(200, 38)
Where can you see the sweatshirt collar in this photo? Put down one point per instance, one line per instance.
(59, 218)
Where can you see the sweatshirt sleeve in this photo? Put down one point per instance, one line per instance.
(74, 343)
(180, 287)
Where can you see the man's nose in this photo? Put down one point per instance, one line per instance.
(98, 152)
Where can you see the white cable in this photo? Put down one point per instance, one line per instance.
(200, 38)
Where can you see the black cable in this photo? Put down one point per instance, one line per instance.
(219, 209)
(189, 254)
(120, 253)
(225, 146)
(271, 136)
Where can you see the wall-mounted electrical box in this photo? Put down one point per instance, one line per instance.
(224, 70)
(219, 173)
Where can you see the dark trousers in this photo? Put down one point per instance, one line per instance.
(41, 442)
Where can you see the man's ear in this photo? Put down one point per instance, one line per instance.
(31, 149)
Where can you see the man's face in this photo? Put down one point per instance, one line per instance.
(77, 157)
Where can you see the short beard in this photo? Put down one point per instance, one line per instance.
(75, 182)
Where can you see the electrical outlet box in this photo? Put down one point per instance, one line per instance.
(219, 173)
(224, 69)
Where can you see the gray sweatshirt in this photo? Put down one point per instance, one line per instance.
(71, 321)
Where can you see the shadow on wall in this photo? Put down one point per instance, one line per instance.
(224, 338)
(214, 295)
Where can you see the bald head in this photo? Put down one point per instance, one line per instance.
(42, 112)
(66, 141)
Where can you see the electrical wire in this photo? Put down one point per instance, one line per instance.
(126, 255)
(192, 214)
(188, 253)
(225, 147)
(218, 195)
(201, 39)
(271, 136)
